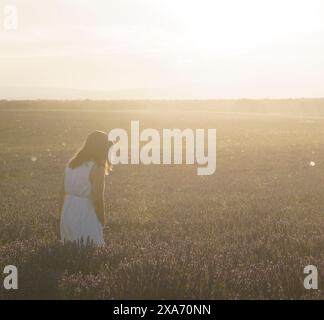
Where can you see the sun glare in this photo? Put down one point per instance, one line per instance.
(257, 48)
(221, 26)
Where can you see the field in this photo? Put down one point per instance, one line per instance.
(247, 231)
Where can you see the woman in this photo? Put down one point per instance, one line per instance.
(82, 212)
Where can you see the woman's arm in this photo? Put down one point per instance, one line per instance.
(57, 216)
(97, 192)
(61, 201)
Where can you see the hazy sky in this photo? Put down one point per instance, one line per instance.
(171, 48)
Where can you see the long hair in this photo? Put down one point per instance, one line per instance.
(95, 148)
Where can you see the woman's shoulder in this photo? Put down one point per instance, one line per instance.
(97, 168)
(89, 163)
(85, 165)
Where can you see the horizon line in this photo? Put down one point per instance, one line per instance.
(158, 99)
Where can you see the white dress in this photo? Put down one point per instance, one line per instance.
(79, 221)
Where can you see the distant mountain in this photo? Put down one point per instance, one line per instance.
(189, 92)
(43, 93)
(25, 93)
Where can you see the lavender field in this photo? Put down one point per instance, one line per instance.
(246, 232)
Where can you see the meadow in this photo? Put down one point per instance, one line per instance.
(246, 232)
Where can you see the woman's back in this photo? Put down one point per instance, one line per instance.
(79, 221)
(82, 211)
(77, 180)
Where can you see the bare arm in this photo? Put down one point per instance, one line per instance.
(97, 192)
(61, 200)
(57, 215)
